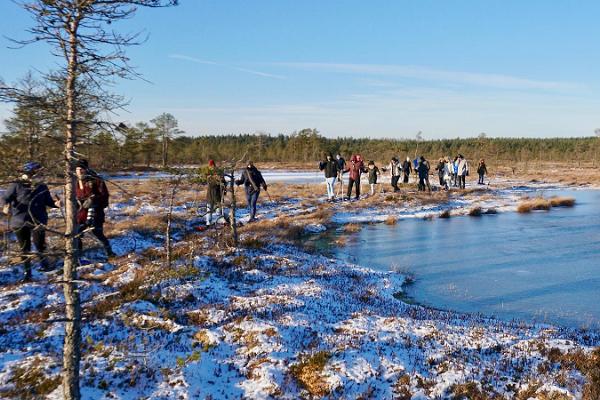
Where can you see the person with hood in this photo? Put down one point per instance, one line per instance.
(406, 169)
(463, 171)
(448, 172)
(373, 175)
(423, 173)
(92, 196)
(355, 169)
(216, 188)
(252, 180)
(26, 201)
(481, 171)
(395, 169)
(330, 168)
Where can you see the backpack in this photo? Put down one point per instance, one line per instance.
(103, 195)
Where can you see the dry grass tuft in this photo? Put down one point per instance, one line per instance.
(352, 228)
(391, 220)
(538, 203)
(308, 373)
(558, 201)
(445, 214)
(475, 212)
(30, 382)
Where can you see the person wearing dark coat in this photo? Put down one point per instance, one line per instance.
(26, 201)
(330, 168)
(481, 171)
(423, 172)
(440, 168)
(92, 197)
(216, 188)
(374, 173)
(406, 169)
(355, 169)
(341, 165)
(252, 180)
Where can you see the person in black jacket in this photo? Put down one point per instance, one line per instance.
(330, 167)
(252, 180)
(406, 169)
(26, 202)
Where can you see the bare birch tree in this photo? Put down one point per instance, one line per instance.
(90, 53)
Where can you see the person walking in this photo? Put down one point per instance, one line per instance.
(463, 171)
(341, 166)
(92, 197)
(330, 168)
(374, 173)
(406, 169)
(395, 169)
(216, 189)
(448, 173)
(252, 180)
(481, 171)
(355, 169)
(423, 173)
(26, 201)
(455, 171)
(441, 168)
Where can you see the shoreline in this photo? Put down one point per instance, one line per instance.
(271, 320)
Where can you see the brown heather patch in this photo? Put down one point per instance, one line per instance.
(538, 203)
(30, 382)
(475, 212)
(391, 220)
(309, 374)
(352, 228)
(558, 201)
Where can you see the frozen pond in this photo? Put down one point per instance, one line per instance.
(542, 267)
(271, 176)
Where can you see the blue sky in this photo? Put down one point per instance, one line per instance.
(357, 68)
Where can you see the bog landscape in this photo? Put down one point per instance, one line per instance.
(200, 202)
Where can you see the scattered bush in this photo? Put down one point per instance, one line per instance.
(391, 220)
(445, 214)
(352, 228)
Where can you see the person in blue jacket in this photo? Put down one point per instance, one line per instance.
(26, 201)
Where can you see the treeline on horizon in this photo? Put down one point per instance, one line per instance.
(160, 143)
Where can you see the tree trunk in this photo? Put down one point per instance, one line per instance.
(165, 149)
(72, 343)
(232, 220)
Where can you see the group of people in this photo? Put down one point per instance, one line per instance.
(450, 173)
(26, 202)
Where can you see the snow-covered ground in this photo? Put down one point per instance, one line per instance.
(273, 321)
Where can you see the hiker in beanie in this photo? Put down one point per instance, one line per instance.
(252, 180)
(26, 201)
(374, 173)
(406, 169)
(215, 191)
(92, 197)
(330, 167)
(395, 169)
(355, 169)
(481, 171)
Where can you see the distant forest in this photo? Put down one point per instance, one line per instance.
(160, 143)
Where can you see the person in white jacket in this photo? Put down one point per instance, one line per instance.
(463, 171)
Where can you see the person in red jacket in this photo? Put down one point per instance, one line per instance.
(92, 197)
(355, 169)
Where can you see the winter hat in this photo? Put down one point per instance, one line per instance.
(83, 163)
(31, 167)
(371, 162)
(211, 163)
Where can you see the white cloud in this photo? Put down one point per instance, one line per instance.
(205, 62)
(432, 74)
